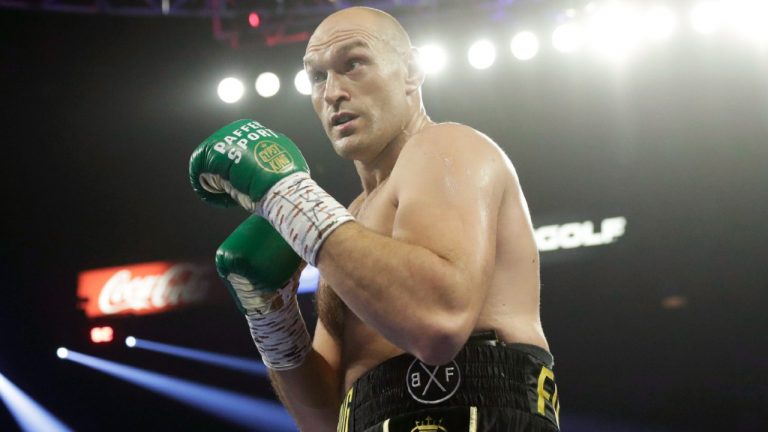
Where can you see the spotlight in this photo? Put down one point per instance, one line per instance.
(267, 84)
(614, 30)
(62, 353)
(747, 19)
(240, 410)
(309, 279)
(482, 54)
(230, 90)
(302, 83)
(524, 46)
(130, 341)
(568, 37)
(432, 58)
(254, 20)
(241, 364)
(28, 413)
(659, 23)
(706, 17)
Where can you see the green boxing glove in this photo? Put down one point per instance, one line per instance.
(264, 172)
(262, 273)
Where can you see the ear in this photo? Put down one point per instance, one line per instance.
(414, 72)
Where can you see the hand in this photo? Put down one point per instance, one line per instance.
(265, 173)
(256, 264)
(262, 273)
(240, 162)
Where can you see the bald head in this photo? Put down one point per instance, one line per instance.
(378, 25)
(366, 84)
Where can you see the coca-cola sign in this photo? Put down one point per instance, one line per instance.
(144, 288)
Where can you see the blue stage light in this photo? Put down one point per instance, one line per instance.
(30, 415)
(241, 364)
(235, 408)
(310, 278)
(62, 353)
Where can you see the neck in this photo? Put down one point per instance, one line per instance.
(375, 172)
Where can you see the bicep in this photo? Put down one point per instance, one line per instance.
(447, 202)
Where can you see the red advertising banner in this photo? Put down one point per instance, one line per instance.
(145, 288)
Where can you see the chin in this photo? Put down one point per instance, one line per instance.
(345, 150)
(349, 147)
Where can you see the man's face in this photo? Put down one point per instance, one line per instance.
(358, 89)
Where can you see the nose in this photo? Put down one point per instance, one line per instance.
(335, 90)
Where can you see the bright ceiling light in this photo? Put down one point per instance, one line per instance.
(432, 58)
(748, 18)
(615, 31)
(659, 23)
(524, 45)
(230, 90)
(302, 83)
(267, 84)
(568, 37)
(482, 54)
(706, 17)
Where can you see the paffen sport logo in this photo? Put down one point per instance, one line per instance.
(272, 157)
(432, 384)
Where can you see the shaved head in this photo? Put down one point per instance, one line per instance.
(379, 25)
(366, 83)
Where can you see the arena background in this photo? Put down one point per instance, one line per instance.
(663, 329)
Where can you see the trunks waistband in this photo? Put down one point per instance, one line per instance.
(486, 373)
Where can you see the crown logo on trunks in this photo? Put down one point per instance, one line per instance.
(427, 425)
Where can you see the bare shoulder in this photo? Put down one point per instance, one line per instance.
(448, 135)
(454, 146)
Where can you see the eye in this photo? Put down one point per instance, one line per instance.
(353, 64)
(317, 76)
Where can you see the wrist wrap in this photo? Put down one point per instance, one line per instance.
(281, 336)
(303, 213)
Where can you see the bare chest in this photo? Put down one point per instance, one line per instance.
(377, 213)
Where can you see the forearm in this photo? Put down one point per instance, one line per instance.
(310, 392)
(389, 283)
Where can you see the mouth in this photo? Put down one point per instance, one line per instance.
(342, 119)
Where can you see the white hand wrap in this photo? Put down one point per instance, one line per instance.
(275, 320)
(281, 336)
(303, 213)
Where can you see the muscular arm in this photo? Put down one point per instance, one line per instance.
(423, 288)
(311, 392)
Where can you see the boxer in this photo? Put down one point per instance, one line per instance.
(429, 300)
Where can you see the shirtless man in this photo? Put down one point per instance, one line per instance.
(429, 299)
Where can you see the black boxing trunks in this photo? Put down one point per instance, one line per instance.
(488, 386)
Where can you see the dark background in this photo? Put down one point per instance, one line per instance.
(101, 113)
